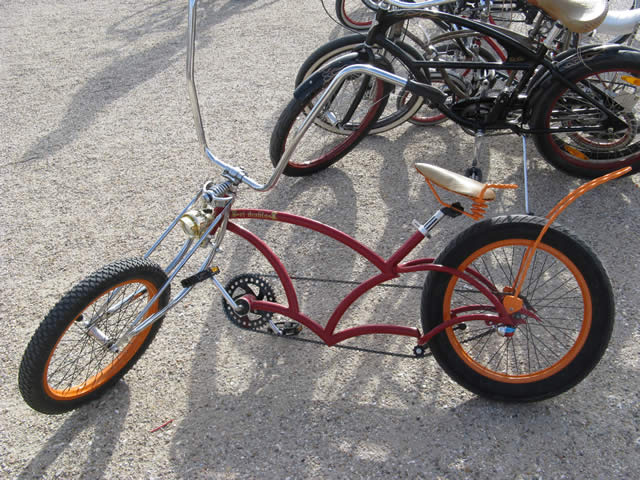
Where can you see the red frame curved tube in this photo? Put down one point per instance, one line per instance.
(389, 269)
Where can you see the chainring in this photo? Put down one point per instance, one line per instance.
(249, 284)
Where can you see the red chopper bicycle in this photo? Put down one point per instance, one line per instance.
(514, 308)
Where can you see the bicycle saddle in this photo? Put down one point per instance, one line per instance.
(454, 182)
(579, 16)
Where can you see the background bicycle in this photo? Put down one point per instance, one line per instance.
(419, 36)
(569, 124)
(355, 15)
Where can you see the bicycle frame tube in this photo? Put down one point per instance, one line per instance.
(528, 57)
(388, 269)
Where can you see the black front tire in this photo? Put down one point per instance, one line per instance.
(64, 366)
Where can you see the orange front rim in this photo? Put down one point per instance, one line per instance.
(102, 374)
(525, 334)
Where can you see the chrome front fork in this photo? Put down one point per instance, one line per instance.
(182, 257)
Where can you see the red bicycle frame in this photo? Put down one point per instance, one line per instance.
(389, 269)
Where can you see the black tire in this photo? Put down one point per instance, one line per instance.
(395, 113)
(569, 319)
(590, 154)
(329, 137)
(326, 53)
(63, 366)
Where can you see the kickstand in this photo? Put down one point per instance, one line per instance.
(474, 171)
(526, 176)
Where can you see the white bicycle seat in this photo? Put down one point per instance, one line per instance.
(620, 21)
(579, 16)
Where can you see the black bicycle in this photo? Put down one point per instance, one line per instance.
(581, 107)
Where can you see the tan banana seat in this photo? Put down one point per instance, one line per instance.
(579, 16)
(454, 182)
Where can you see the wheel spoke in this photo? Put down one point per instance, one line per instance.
(81, 361)
(538, 344)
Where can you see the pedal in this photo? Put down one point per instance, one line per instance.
(199, 277)
(284, 329)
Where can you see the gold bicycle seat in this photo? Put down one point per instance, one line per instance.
(579, 16)
(456, 183)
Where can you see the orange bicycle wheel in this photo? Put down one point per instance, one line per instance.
(70, 358)
(562, 331)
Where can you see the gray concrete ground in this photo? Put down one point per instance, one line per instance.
(98, 153)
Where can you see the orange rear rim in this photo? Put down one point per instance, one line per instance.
(524, 335)
(111, 363)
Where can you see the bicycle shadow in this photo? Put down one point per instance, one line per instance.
(335, 204)
(126, 72)
(106, 431)
(280, 420)
(248, 413)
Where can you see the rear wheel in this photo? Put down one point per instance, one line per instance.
(70, 359)
(563, 329)
(613, 80)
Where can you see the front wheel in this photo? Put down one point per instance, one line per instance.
(69, 359)
(613, 80)
(342, 123)
(563, 329)
(353, 14)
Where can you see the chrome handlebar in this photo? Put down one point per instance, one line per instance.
(235, 174)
